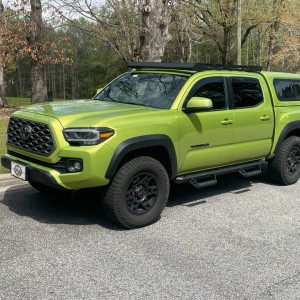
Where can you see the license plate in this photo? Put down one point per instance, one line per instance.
(18, 170)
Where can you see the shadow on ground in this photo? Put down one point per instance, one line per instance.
(83, 207)
(79, 208)
(187, 195)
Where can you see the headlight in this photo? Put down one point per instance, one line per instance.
(87, 136)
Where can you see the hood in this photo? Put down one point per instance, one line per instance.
(87, 113)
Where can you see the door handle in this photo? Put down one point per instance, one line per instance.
(265, 118)
(226, 122)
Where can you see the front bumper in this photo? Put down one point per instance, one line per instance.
(34, 174)
(95, 162)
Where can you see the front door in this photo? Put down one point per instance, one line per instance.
(206, 137)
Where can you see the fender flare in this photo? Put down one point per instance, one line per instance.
(142, 142)
(284, 133)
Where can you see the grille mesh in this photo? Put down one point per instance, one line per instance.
(38, 138)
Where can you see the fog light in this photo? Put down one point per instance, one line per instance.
(74, 165)
(77, 166)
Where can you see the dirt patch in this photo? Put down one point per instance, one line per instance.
(6, 112)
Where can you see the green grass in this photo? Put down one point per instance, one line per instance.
(17, 101)
(3, 127)
(14, 102)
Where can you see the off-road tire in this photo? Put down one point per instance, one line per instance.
(284, 168)
(138, 193)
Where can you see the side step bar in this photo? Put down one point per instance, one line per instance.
(208, 178)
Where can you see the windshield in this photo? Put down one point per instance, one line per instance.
(148, 89)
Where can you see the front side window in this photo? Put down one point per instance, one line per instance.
(212, 88)
(287, 90)
(246, 92)
(147, 89)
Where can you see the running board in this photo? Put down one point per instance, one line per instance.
(208, 178)
(252, 171)
(199, 183)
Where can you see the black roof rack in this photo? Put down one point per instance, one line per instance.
(192, 66)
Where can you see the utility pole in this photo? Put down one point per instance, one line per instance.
(239, 32)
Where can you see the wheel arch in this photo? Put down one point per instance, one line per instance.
(157, 146)
(291, 129)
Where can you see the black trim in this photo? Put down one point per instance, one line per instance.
(21, 120)
(139, 143)
(218, 171)
(284, 133)
(60, 166)
(34, 174)
(43, 177)
(192, 66)
(229, 92)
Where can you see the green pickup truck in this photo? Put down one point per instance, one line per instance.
(158, 123)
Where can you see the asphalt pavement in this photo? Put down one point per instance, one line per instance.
(239, 239)
(7, 182)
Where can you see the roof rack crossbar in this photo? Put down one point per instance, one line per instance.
(192, 66)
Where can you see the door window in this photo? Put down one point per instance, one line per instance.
(246, 92)
(212, 88)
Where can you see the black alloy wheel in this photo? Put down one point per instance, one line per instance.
(138, 193)
(142, 193)
(293, 161)
(285, 166)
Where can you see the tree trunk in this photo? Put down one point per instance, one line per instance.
(155, 30)
(3, 101)
(226, 46)
(39, 85)
(239, 32)
(38, 75)
(274, 27)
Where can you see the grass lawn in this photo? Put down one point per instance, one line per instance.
(14, 102)
(3, 126)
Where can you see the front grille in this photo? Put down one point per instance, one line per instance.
(30, 136)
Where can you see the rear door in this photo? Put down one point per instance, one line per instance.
(254, 118)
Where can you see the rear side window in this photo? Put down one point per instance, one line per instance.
(246, 92)
(287, 90)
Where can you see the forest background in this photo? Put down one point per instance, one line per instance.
(67, 49)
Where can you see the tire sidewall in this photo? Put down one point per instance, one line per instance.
(127, 173)
(290, 178)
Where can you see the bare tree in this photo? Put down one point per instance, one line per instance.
(154, 36)
(217, 21)
(276, 16)
(239, 32)
(3, 101)
(35, 40)
(284, 37)
(116, 23)
(134, 29)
